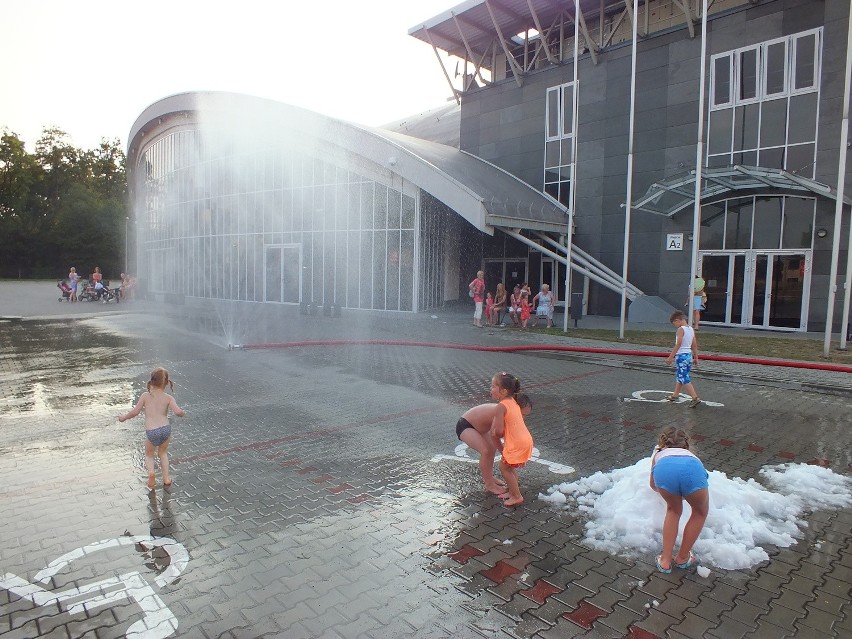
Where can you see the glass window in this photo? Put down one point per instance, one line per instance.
(394, 203)
(798, 222)
(566, 152)
(567, 109)
(800, 160)
(407, 221)
(748, 69)
(773, 123)
(803, 118)
(551, 154)
(738, 223)
(721, 80)
(712, 226)
(553, 112)
(771, 158)
(767, 223)
(746, 127)
(775, 77)
(720, 131)
(804, 61)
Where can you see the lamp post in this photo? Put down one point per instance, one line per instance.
(126, 220)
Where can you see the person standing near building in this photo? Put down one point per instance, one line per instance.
(477, 291)
(699, 300)
(684, 355)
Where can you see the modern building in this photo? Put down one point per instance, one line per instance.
(557, 140)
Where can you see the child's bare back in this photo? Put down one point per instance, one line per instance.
(156, 404)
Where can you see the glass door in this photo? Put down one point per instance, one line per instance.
(779, 283)
(724, 274)
(282, 273)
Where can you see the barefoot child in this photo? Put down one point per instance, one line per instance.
(156, 403)
(473, 429)
(489, 309)
(685, 355)
(677, 474)
(510, 434)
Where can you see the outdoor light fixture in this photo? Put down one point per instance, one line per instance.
(689, 237)
(822, 232)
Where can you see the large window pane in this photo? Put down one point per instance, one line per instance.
(721, 80)
(803, 118)
(798, 222)
(551, 154)
(738, 224)
(720, 131)
(805, 69)
(567, 109)
(800, 160)
(767, 223)
(553, 112)
(712, 226)
(776, 68)
(748, 75)
(773, 123)
(746, 127)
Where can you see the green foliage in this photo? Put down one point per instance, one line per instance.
(61, 206)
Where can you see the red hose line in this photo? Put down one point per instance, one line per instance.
(838, 368)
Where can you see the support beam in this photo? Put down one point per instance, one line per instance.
(441, 62)
(468, 49)
(541, 33)
(684, 6)
(516, 70)
(593, 49)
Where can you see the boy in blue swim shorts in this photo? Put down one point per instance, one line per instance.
(685, 356)
(678, 475)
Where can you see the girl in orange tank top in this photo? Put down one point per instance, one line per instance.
(510, 434)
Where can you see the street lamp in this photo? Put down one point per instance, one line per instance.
(126, 220)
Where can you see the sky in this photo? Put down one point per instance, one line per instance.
(91, 67)
(746, 517)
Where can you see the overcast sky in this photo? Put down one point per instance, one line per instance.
(91, 67)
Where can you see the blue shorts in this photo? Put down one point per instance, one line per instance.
(159, 435)
(697, 303)
(683, 361)
(680, 474)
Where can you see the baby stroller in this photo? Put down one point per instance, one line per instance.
(97, 291)
(62, 285)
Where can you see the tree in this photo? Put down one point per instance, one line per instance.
(61, 206)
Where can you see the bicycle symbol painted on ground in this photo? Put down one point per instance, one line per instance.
(158, 622)
(659, 397)
(462, 456)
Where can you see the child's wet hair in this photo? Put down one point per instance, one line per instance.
(523, 400)
(677, 315)
(673, 437)
(509, 382)
(159, 379)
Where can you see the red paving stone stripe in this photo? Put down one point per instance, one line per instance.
(500, 572)
(639, 633)
(585, 615)
(540, 591)
(465, 554)
(322, 479)
(755, 448)
(726, 442)
(307, 469)
(824, 463)
(339, 489)
(787, 455)
(359, 499)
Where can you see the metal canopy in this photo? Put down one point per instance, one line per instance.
(672, 195)
(476, 23)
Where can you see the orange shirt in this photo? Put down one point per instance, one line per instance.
(517, 440)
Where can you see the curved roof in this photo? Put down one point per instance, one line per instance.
(674, 194)
(483, 194)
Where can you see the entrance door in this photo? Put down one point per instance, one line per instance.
(779, 290)
(282, 273)
(758, 289)
(724, 275)
(510, 272)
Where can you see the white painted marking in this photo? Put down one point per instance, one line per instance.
(158, 621)
(659, 397)
(462, 456)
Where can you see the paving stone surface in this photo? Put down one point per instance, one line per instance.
(308, 502)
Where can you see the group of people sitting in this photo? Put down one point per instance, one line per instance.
(519, 306)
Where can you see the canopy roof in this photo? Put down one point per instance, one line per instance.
(482, 193)
(674, 194)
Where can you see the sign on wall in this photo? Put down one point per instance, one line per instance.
(674, 242)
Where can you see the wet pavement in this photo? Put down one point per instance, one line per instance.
(316, 492)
